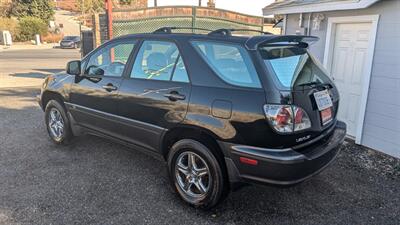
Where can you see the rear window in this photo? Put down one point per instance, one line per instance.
(230, 62)
(293, 66)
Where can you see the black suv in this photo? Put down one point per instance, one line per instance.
(220, 109)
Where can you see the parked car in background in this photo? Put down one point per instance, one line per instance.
(71, 42)
(219, 109)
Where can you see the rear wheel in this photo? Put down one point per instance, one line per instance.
(57, 123)
(196, 174)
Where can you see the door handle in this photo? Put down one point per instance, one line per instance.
(174, 96)
(110, 87)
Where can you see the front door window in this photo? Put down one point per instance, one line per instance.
(110, 61)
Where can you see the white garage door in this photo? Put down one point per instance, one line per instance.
(350, 50)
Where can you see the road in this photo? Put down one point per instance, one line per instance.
(94, 181)
(29, 67)
(67, 19)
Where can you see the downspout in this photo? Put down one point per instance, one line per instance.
(301, 20)
(284, 24)
(309, 25)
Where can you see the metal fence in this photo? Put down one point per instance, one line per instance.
(146, 20)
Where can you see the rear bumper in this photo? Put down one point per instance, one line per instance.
(67, 45)
(283, 166)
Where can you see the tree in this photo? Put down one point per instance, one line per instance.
(43, 9)
(5, 9)
(90, 6)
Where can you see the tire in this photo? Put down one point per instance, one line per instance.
(190, 182)
(57, 123)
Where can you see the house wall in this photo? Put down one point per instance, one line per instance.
(382, 119)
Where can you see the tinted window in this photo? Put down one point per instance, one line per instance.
(230, 62)
(110, 60)
(159, 60)
(293, 66)
(180, 73)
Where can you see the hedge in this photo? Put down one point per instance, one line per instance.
(29, 26)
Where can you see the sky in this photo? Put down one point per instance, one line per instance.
(251, 7)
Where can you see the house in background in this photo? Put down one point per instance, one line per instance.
(360, 47)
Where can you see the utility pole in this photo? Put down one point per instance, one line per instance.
(155, 3)
(199, 2)
(109, 18)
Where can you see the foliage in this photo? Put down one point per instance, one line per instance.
(90, 6)
(5, 9)
(125, 2)
(52, 38)
(43, 9)
(29, 26)
(10, 25)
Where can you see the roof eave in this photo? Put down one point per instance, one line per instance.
(319, 7)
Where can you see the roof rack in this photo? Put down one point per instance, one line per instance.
(168, 30)
(228, 32)
(223, 31)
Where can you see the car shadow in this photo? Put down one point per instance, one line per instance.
(38, 73)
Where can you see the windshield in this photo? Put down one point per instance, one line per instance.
(293, 66)
(69, 38)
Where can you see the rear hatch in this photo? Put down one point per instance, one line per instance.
(297, 73)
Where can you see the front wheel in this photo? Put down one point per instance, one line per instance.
(196, 174)
(57, 123)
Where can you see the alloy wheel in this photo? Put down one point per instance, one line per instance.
(193, 175)
(56, 124)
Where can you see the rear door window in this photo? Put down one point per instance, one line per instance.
(230, 62)
(159, 60)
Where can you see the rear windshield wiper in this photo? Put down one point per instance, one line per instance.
(314, 84)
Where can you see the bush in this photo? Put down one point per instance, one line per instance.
(52, 38)
(29, 26)
(10, 25)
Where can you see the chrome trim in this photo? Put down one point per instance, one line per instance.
(116, 118)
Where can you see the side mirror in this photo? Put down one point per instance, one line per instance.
(74, 67)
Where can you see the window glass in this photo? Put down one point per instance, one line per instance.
(109, 61)
(293, 66)
(230, 62)
(180, 73)
(155, 60)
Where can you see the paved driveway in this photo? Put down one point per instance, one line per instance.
(94, 181)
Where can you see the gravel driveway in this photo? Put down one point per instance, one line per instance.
(94, 181)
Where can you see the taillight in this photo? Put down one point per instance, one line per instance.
(287, 118)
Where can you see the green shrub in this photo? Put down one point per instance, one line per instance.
(29, 26)
(10, 25)
(43, 9)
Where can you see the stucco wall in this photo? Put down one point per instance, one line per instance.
(382, 118)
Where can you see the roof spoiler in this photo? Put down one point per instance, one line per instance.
(254, 42)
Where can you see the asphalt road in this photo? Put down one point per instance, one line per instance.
(94, 181)
(37, 62)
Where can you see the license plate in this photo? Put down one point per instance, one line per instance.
(326, 116)
(323, 100)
